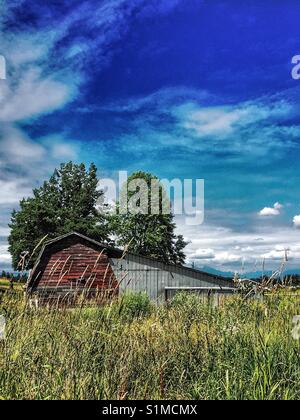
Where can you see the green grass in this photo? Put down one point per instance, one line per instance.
(134, 350)
(4, 285)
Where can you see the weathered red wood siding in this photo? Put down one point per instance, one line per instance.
(74, 262)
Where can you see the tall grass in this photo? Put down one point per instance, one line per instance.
(131, 349)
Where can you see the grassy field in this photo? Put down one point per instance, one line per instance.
(134, 350)
(4, 285)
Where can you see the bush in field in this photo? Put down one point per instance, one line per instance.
(134, 305)
(193, 308)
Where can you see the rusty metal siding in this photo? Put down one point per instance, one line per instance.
(73, 263)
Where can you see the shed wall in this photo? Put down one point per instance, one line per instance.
(138, 274)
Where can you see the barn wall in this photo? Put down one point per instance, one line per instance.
(64, 263)
(138, 274)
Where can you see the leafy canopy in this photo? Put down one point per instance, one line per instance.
(151, 235)
(69, 201)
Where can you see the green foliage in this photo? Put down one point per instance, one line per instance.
(185, 350)
(70, 201)
(67, 202)
(185, 300)
(134, 305)
(151, 235)
(14, 277)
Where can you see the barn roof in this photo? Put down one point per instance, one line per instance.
(120, 253)
(60, 238)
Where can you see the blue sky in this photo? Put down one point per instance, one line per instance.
(184, 89)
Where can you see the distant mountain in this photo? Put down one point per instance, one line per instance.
(249, 275)
(214, 271)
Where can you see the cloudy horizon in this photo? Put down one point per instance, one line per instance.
(181, 90)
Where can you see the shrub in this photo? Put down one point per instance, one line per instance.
(134, 305)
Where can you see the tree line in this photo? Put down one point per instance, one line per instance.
(71, 201)
(15, 277)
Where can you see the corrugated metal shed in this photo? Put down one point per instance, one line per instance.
(153, 277)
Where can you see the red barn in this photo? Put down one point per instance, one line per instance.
(72, 264)
(75, 265)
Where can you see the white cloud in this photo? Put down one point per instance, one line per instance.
(280, 254)
(271, 211)
(226, 248)
(4, 231)
(213, 257)
(241, 132)
(212, 121)
(278, 206)
(32, 95)
(12, 191)
(28, 48)
(24, 164)
(28, 92)
(296, 221)
(203, 254)
(223, 121)
(33, 88)
(5, 258)
(225, 257)
(63, 151)
(247, 249)
(17, 148)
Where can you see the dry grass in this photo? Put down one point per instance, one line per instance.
(133, 350)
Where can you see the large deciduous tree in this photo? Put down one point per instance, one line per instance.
(145, 233)
(69, 201)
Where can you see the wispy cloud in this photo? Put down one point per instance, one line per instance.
(48, 62)
(224, 121)
(52, 109)
(195, 121)
(32, 95)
